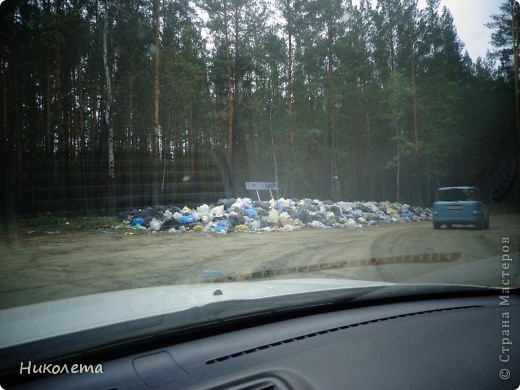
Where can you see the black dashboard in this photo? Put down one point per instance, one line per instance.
(459, 342)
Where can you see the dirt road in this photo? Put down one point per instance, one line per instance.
(37, 268)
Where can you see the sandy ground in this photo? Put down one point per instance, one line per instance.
(42, 267)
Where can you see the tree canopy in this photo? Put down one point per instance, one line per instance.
(108, 105)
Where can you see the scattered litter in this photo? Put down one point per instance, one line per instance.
(241, 228)
(137, 221)
(155, 225)
(211, 273)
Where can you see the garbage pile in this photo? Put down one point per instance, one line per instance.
(247, 215)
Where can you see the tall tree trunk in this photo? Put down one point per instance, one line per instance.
(398, 171)
(273, 150)
(60, 181)
(415, 178)
(49, 135)
(8, 166)
(290, 99)
(414, 95)
(108, 118)
(331, 136)
(130, 146)
(191, 131)
(230, 104)
(368, 152)
(155, 119)
(516, 53)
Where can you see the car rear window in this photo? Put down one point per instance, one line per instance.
(457, 194)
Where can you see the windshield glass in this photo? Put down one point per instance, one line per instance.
(150, 149)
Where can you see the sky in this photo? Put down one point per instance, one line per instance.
(469, 17)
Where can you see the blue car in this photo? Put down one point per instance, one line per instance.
(459, 206)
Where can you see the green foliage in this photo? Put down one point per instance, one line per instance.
(363, 90)
(503, 25)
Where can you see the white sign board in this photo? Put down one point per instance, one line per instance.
(262, 186)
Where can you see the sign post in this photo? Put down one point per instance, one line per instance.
(262, 186)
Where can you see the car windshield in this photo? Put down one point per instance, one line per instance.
(159, 156)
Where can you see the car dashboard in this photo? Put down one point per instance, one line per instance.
(459, 342)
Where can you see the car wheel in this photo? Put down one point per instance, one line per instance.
(436, 225)
(486, 224)
(480, 223)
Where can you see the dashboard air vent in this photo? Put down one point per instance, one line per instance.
(266, 383)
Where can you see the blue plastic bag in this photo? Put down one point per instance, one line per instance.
(137, 221)
(252, 213)
(190, 218)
